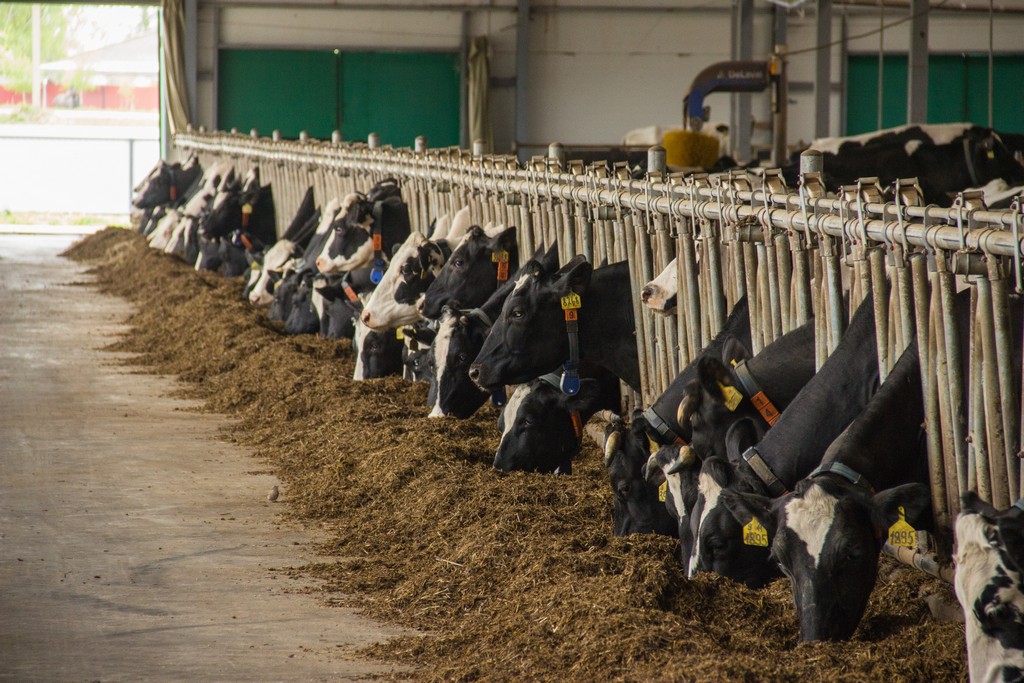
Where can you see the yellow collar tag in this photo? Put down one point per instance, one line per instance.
(571, 301)
(731, 396)
(754, 533)
(499, 256)
(902, 534)
(399, 334)
(663, 491)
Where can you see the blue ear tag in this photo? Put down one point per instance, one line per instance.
(570, 383)
(377, 273)
(498, 398)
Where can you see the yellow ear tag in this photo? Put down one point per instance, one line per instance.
(498, 256)
(731, 396)
(901, 533)
(991, 154)
(652, 445)
(399, 334)
(754, 533)
(662, 491)
(571, 301)
(246, 208)
(254, 265)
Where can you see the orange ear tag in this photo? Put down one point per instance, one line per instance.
(378, 242)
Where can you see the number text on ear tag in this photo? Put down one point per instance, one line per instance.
(663, 491)
(571, 301)
(754, 533)
(499, 256)
(731, 397)
(378, 242)
(399, 334)
(901, 533)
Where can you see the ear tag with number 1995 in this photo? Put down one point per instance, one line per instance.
(902, 534)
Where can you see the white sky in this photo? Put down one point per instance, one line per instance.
(100, 25)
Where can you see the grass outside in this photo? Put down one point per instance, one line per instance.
(57, 218)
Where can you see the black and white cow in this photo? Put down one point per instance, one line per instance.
(285, 285)
(378, 353)
(989, 584)
(477, 267)
(168, 186)
(339, 301)
(285, 251)
(241, 220)
(411, 271)
(366, 231)
(542, 427)
(177, 230)
(741, 390)
(945, 158)
(827, 534)
(833, 398)
(460, 336)
(530, 337)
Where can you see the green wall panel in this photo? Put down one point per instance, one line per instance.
(957, 91)
(288, 90)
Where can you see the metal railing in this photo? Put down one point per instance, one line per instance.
(798, 255)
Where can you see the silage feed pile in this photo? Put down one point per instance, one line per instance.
(508, 576)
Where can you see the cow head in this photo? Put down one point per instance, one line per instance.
(303, 318)
(542, 428)
(418, 274)
(637, 508)
(337, 319)
(991, 158)
(284, 292)
(529, 338)
(677, 466)
(826, 536)
(416, 364)
(459, 338)
(155, 188)
(710, 406)
(471, 274)
(989, 584)
(349, 246)
(271, 266)
(720, 545)
(660, 293)
(383, 309)
(379, 354)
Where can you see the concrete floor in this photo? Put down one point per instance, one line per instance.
(133, 544)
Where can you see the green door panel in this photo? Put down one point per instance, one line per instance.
(400, 95)
(287, 90)
(957, 91)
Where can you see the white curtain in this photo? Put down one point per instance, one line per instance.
(174, 64)
(480, 125)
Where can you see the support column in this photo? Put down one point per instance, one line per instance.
(742, 49)
(823, 71)
(192, 57)
(917, 67)
(522, 73)
(464, 140)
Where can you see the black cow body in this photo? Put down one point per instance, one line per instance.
(478, 266)
(833, 398)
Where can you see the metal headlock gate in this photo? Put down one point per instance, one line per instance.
(797, 254)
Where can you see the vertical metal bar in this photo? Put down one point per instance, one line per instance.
(880, 299)
(936, 463)
(977, 441)
(1004, 370)
(990, 412)
(717, 295)
(823, 70)
(753, 300)
(785, 287)
(772, 276)
(625, 230)
(954, 380)
(689, 286)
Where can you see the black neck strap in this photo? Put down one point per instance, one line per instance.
(570, 383)
(377, 273)
(846, 472)
(775, 486)
(662, 432)
(757, 397)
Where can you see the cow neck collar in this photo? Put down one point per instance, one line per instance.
(1019, 504)
(756, 394)
(664, 434)
(553, 379)
(444, 249)
(350, 293)
(172, 191)
(764, 472)
(969, 159)
(571, 304)
(377, 273)
(846, 472)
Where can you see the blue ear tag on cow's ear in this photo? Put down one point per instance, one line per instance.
(570, 383)
(377, 272)
(498, 398)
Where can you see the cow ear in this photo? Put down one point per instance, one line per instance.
(476, 232)
(733, 351)
(970, 502)
(714, 377)
(740, 436)
(575, 275)
(747, 506)
(719, 470)
(506, 240)
(915, 499)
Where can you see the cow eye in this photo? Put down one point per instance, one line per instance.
(517, 314)
(463, 357)
(459, 263)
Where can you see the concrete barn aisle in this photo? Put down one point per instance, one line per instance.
(133, 544)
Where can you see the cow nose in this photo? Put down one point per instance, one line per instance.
(646, 293)
(365, 318)
(474, 373)
(321, 262)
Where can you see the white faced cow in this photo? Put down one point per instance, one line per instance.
(660, 294)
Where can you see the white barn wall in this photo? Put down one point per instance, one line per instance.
(593, 74)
